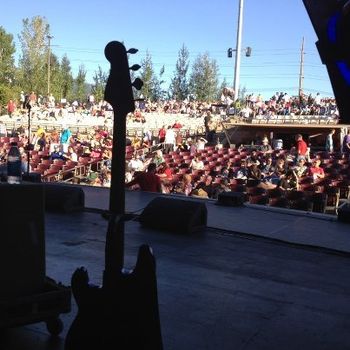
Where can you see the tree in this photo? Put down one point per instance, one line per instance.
(55, 76)
(159, 93)
(67, 78)
(80, 84)
(100, 80)
(148, 78)
(33, 61)
(7, 66)
(179, 88)
(204, 78)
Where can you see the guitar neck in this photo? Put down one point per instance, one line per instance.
(114, 250)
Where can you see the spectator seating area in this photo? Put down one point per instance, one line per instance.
(322, 195)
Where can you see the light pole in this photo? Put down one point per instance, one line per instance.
(238, 50)
(49, 37)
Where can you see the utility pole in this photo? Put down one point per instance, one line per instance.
(49, 37)
(238, 50)
(301, 72)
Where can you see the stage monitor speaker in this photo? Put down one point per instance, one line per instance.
(176, 215)
(63, 198)
(22, 248)
(32, 177)
(231, 199)
(344, 213)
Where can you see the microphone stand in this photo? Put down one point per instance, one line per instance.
(28, 144)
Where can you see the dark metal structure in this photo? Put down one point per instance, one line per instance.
(331, 21)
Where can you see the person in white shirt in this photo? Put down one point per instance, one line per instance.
(201, 142)
(136, 164)
(170, 140)
(196, 164)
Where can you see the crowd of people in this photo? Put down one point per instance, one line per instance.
(254, 105)
(174, 161)
(192, 171)
(282, 104)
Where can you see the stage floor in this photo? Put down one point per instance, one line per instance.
(253, 279)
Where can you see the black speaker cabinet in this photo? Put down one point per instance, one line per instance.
(176, 215)
(231, 199)
(22, 248)
(32, 177)
(344, 213)
(63, 198)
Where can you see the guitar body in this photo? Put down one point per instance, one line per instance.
(119, 315)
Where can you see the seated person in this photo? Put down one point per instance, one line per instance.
(267, 167)
(301, 168)
(254, 172)
(96, 153)
(315, 171)
(147, 180)
(57, 154)
(242, 172)
(196, 164)
(289, 181)
(253, 157)
(158, 158)
(136, 163)
(265, 147)
(71, 154)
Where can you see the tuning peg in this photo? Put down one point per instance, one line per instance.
(135, 67)
(132, 51)
(137, 84)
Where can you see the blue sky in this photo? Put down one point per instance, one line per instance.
(273, 28)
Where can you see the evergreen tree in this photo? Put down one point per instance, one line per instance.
(159, 93)
(179, 88)
(80, 92)
(100, 80)
(204, 78)
(148, 78)
(33, 61)
(67, 78)
(7, 67)
(56, 79)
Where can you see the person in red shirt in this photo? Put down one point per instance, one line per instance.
(11, 107)
(164, 172)
(161, 134)
(147, 181)
(177, 125)
(316, 171)
(301, 148)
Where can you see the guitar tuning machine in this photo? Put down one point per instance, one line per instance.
(137, 84)
(132, 51)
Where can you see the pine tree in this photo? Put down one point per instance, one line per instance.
(204, 78)
(179, 88)
(7, 67)
(33, 61)
(148, 78)
(67, 78)
(80, 92)
(100, 80)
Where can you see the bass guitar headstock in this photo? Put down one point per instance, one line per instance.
(118, 90)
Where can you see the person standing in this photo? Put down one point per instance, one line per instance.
(22, 100)
(65, 138)
(329, 141)
(346, 143)
(301, 147)
(32, 99)
(11, 107)
(170, 140)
